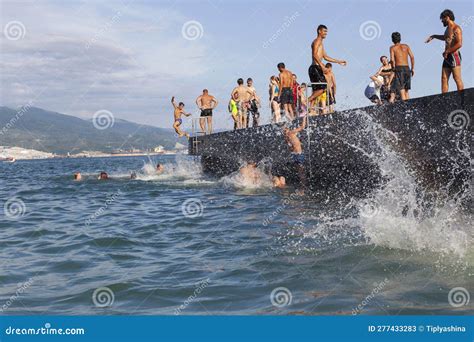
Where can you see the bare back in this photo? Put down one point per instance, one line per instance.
(286, 79)
(244, 93)
(400, 53)
(207, 101)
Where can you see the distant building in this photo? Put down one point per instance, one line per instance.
(159, 149)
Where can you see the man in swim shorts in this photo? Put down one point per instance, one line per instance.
(317, 70)
(244, 95)
(178, 111)
(286, 92)
(253, 106)
(206, 103)
(399, 54)
(452, 54)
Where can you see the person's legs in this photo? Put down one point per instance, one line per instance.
(445, 74)
(276, 111)
(403, 94)
(392, 97)
(209, 124)
(457, 77)
(201, 123)
(315, 94)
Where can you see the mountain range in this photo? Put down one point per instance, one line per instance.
(39, 129)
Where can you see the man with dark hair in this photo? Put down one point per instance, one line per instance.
(286, 91)
(254, 104)
(242, 100)
(317, 70)
(452, 54)
(206, 103)
(399, 57)
(178, 111)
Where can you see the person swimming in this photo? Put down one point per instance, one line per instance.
(279, 181)
(160, 168)
(133, 175)
(178, 111)
(77, 176)
(250, 173)
(103, 176)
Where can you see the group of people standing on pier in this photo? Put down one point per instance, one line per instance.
(288, 100)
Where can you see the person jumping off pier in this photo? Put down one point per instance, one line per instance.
(452, 54)
(178, 111)
(294, 143)
(317, 70)
(206, 103)
(399, 57)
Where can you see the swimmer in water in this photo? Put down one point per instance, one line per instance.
(133, 175)
(103, 176)
(159, 168)
(294, 143)
(250, 173)
(77, 176)
(178, 111)
(279, 181)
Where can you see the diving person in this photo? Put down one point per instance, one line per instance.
(178, 111)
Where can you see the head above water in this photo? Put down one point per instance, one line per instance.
(281, 66)
(103, 175)
(384, 60)
(77, 176)
(322, 31)
(240, 81)
(446, 16)
(396, 37)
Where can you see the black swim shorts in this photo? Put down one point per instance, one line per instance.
(402, 78)
(206, 112)
(286, 96)
(316, 75)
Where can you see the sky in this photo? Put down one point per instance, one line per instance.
(129, 57)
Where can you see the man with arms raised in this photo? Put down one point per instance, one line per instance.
(399, 57)
(452, 54)
(242, 101)
(206, 103)
(286, 92)
(317, 70)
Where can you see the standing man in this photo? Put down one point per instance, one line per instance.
(254, 104)
(452, 54)
(242, 100)
(206, 103)
(317, 70)
(286, 91)
(399, 56)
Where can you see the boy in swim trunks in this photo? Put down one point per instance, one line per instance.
(178, 111)
(286, 92)
(452, 54)
(399, 54)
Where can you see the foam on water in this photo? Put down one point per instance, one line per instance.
(263, 179)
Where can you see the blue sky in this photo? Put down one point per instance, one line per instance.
(129, 57)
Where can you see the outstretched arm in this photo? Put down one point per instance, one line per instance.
(301, 127)
(173, 103)
(434, 36)
(333, 60)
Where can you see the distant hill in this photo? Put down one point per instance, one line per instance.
(59, 133)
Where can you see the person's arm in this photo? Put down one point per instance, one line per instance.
(458, 45)
(392, 57)
(215, 102)
(301, 127)
(198, 102)
(333, 60)
(434, 36)
(173, 103)
(412, 60)
(379, 72)
(333, 86)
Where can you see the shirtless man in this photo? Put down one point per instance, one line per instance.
(452, 54)
(206, 103)
(286, 91)
(331, 79)
(254, 104)
(399, 57)
(317, 70)
(243, 100)
(294, 143)
(250, 173)
(178, 111)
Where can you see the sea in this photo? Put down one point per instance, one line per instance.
(186, 243)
